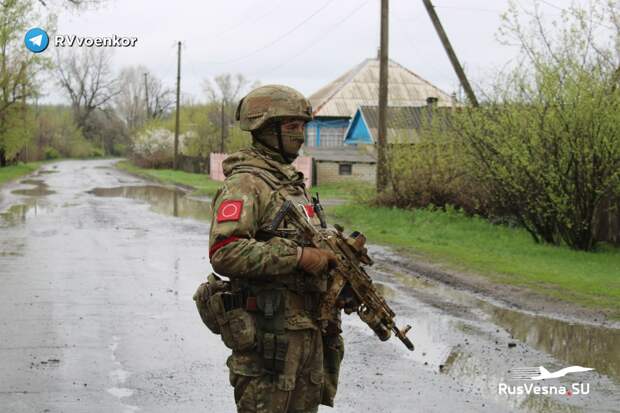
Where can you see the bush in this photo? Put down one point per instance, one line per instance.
(97, 152)
(543, 149)
(546, 144)
(432, 172)
(153, 148)
(51, 153)
(119, 149)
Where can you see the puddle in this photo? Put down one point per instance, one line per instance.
(575, 344)
(20, 213)
(46, 171)
(385, 290)
(120, 392)
(569, 342)
(163, 200)
(40, 188)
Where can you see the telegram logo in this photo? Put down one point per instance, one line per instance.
(36, 40)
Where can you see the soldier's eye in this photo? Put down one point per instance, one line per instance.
(296, 125)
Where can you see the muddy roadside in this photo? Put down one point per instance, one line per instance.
(510, 296)
(104, 245)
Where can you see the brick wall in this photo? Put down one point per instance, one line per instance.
(327, 172)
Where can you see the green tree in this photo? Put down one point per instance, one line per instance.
(546, 143)
(19, 70)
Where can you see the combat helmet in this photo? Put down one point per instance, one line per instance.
(271, 102)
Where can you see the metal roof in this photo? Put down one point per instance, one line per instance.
(342, 154)
(360, 87)
(403, 123)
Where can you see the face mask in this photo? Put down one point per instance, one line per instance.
(292, 143)
(292, 140)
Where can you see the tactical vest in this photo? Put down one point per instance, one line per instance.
(288, 302)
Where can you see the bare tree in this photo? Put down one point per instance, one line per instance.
(86, 77)
(77, 4)
(130, 101)
(224, 90)
(160, 98)
(225, 87)
(142, 96)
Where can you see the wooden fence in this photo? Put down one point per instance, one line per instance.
(608, 229)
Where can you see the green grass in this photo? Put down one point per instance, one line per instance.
(347, 190)
(10, 173)
(503, 254)
(201, 183)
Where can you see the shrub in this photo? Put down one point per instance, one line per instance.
(51, 153)
(546, 143)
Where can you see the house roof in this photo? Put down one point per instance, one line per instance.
(360, 87)
(402, 123)
(346, 154)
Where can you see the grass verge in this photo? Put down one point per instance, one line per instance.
(347, 191)
(12, 172)
(201, 183)
(503, 254)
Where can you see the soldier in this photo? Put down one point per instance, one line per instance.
(281, 360)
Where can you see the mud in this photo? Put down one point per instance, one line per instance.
(164, 200)
(40, 188)
(520, 298)
(97, 316)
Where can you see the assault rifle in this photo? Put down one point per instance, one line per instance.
(349, 272)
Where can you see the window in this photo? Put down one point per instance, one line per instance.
(345, 169)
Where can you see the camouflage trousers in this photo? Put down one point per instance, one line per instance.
(300, 388)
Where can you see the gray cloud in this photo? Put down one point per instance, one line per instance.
(247, 36)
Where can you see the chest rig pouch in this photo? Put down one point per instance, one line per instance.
(271, 323)
(224, 313)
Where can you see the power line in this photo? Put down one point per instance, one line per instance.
(278, 39)
(552, 5)
(494, 11)
(404, 29)
(254, 20)
(315, 41)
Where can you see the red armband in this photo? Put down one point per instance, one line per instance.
(221, 243)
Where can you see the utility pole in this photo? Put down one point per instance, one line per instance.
(451, 55)
(176, 125)
(222, 129)
(382, 167)
(146, 95)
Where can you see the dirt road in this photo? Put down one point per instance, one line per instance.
(98, 269)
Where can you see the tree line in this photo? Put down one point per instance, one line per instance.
(543, 149)
(107, 113)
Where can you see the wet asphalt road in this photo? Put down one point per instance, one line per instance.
(97, 271)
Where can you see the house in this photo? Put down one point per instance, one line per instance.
(335, 104)
(403, 123)
(342, 163)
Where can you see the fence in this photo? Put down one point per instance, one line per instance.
(193, 164)
(608, 229)
(302, 163)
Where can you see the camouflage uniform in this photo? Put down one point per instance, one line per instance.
(292, 366)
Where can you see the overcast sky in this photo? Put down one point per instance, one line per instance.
(303, 44)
